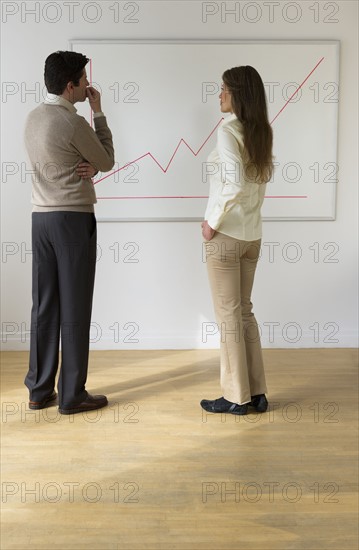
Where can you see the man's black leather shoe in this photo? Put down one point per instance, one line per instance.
(221, 405)
(91, 403)
(47, 402)
(259, 402)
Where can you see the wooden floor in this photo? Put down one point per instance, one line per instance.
(152, 471)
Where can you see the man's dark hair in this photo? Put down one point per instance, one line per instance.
(61, 68)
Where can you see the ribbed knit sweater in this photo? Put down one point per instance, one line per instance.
(57, 140)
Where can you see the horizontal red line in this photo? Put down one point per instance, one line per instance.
(198, 197)
(157, 197)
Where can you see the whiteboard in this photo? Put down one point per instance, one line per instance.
(161, 102)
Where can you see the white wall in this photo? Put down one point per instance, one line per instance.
(163, 300)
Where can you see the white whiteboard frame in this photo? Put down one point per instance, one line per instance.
(73, 43)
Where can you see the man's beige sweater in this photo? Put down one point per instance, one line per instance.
(57, 140)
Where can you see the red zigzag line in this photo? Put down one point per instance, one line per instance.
(164, 170)
(149, 154)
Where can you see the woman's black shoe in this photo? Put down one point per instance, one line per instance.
(259, 402)
(221, 405)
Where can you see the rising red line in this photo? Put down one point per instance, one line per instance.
(304, 81)
(164, 170)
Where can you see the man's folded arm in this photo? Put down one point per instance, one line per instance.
(95, 147)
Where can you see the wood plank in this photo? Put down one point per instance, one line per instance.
(154, 471)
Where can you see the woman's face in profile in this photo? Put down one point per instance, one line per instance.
(225, 99)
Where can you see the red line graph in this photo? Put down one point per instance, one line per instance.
(195, 153)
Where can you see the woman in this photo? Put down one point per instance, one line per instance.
(241, 165)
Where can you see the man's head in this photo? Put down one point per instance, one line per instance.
(65, 75)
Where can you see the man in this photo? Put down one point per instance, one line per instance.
(65, 152)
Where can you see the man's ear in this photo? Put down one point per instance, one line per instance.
(70, 90)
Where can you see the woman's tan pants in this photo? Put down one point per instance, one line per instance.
(231, 267)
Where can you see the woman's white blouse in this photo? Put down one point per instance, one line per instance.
(234, 204)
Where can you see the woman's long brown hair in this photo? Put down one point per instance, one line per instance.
(249, 105)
